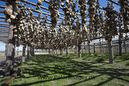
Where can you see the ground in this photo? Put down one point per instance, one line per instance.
(91, 70)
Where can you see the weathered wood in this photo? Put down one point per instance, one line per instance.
(60, 51)
(107, 48)
(100, 48)
(75, 49)
(49, 51)
(111, 56)
(79, 51)
(6, 83)
(28, 52)
(57, 52)
(17, 50)
(94, 47)
(23, 54)
(10, 52)
(85, 49)
(89, 48)
(125, 47)
(66, 51)
(120, 41)
(32, 51)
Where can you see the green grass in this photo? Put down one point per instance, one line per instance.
(91, 70)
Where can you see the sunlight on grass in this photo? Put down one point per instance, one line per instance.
(50, 70)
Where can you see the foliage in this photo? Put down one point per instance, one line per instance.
(99, 60)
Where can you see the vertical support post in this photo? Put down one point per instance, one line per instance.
(10, 52)
(100, 48)
(85, 49)
(49, 51)
(60, 51)
(103, 49)
(6, 50)
(125, 47)
(107, 48)
(75, 49)
(66, 51)
(120, 48)
(82, 50)
(72, 50)
(89, 48)
(57, 52)
(23, 54)
(28, 52)
(17, 51)
(32, 51)
(79, 51)
(120, 42)
(94, 47)
(111, 56)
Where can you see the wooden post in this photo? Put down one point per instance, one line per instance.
(125, 47)
(10, 52)
(89, 48)
(111, 56)
(120, 42)
(66, 51)
(82, 50)
(79, 51)
(57, 52)
(120, 48)
(103, 49)
(28, 52)
(60, 51)
(85, 49)
(32, 51)
(49, 51)
(75, 49)
(100, 48)
(17, 51)
(94, 47)
(107, 48)
(23, 54)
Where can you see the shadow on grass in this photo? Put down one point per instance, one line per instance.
(67, 68)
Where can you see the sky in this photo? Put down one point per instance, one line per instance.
(103, 3)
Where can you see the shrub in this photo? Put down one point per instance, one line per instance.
(127, 64)
(95, 54)
(99, 60)
(125, 57)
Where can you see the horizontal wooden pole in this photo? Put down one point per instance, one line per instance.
(2, 6)
(6, 83)
(41, 6)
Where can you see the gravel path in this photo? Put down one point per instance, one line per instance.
(17, 59)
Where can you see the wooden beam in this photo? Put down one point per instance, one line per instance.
(2, 17)
(36, 4)
(4, 0)
(2, 21)
(10, 52)
(114, 2)
(6, 83)
(3, 32)
(2, 6)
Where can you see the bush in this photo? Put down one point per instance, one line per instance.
(127, 64)
(125, 57)
(95, 54)
(72, 55)
(84, 55)
(99, 60)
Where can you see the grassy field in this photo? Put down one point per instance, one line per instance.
(2, 54)
(91, 70)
